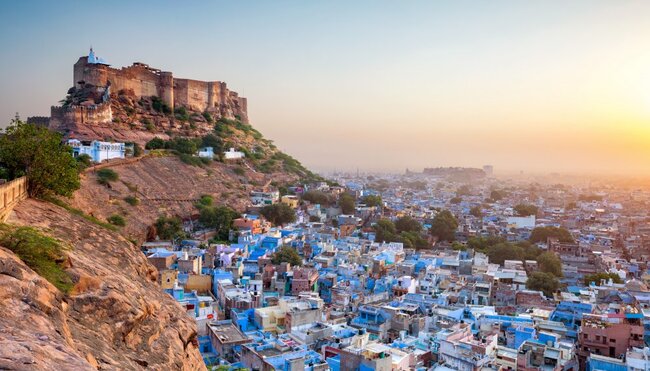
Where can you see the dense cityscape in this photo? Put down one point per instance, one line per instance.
(325, 185)
(450, 269)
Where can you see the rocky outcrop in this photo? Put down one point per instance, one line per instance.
(115, 318)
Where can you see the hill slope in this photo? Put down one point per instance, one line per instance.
(116, 317)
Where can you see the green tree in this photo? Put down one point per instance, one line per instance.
(34, 151)
(412, 240)
(504, 251)
(525, 209)
(482, 244)
(444, 226)
(278, 214)
(169, 228)
(213, 141)
(385, 231)
(317, 197)
(372, 200)
(541, 234)
(542, 281)
(220, 218)
(549, 262)
(407, 224)
(184, 145)
(155, 143)
(476, 211)
(596, 277)
(346, 202)
(286, 254)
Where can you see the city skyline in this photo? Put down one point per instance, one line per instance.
(525, 87)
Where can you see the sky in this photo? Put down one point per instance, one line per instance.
(533, 86)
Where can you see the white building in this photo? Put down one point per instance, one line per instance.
(264, 198)
(231, 154)
(521, 221)
(98, 151)
(206, 152)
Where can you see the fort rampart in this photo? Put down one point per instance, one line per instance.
(142, 80)
(10, 193)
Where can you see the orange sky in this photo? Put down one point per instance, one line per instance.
(379, 85)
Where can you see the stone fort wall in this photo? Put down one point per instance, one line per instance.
(10, 194)
(93, 114)
(211, 96)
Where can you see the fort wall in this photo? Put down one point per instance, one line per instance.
(211, 96)
(10, 194)
(93, 114)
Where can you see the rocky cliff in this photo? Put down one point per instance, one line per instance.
(115, 318)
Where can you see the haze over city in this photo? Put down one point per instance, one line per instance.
(380, 86)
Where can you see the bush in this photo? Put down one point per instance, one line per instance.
(117, 220)
(208, 117)
(158, 105)
(137, 150)
(84, 161)
(155, 143)
(132, 200)
(190, 160)
(41, 253)
(105, 176)
(181, 114)
(239, 171)
(169, 228)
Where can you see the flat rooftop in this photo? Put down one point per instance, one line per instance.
(227, 332)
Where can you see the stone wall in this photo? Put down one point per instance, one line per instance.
(142, 80)
(94, 114)
(10, 193)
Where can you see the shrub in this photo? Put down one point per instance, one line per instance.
(239, 171)
(105, 176)
(41, 253)
(190, 160)
(132, 200)
(158, 105)
(208, 117)
(181, 114)
(84, 161)
(117, 220)
(155, 143)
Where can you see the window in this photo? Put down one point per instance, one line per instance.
(612, 340)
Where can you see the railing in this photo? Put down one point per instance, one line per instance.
(10, 193)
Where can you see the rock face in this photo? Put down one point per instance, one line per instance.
(115, 318)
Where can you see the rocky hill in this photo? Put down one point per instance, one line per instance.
(165, 182)
(114, 318)
(113, 315)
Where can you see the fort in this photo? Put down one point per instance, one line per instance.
(145, 81)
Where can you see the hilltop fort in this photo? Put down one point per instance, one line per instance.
(94, 106)
(145, 81)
